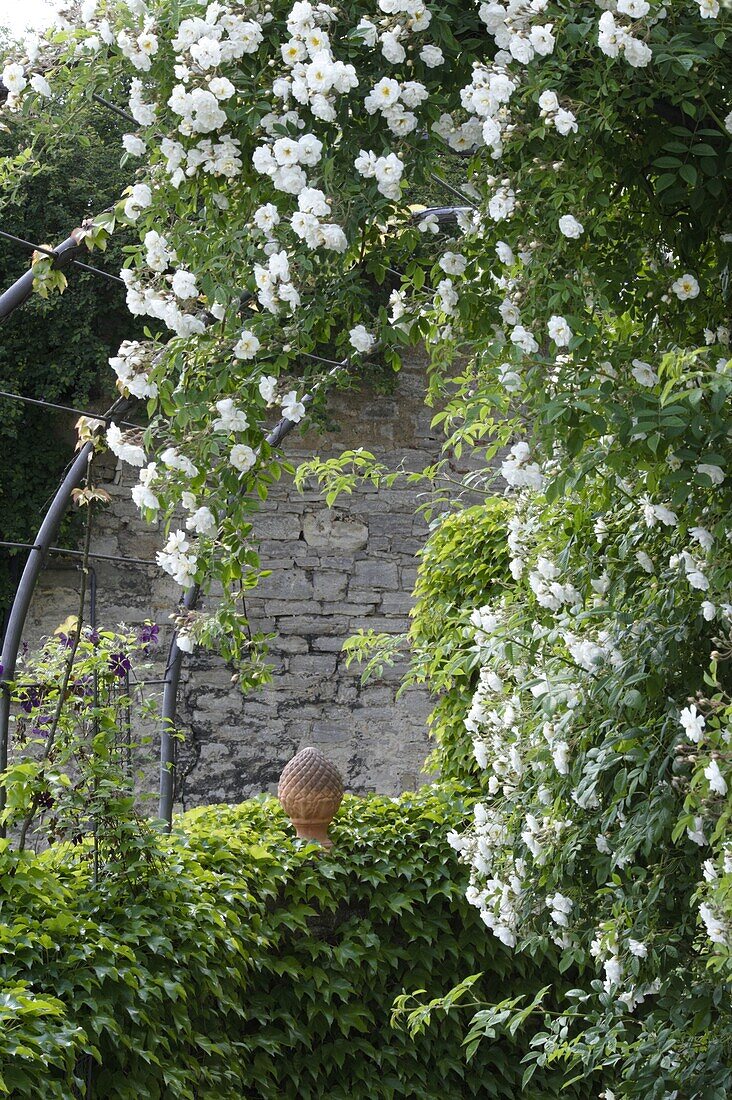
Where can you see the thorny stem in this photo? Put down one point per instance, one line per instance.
(68, 667)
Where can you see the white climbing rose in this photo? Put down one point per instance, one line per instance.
(242, 457)
(184, 285)
(361, 339)
(685, 287)
(247, 345)
(570, 227)
(292, 408)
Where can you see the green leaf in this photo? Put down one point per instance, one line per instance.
(688, 173)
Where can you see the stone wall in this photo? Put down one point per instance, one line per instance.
(333, 571)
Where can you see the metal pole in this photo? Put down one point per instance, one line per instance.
(175, 655)
(21, 290)
(24, 594)
(168, 729)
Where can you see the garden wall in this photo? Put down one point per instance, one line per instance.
(334, 571)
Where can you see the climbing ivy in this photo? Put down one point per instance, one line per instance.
(463, 564)
(231, 960)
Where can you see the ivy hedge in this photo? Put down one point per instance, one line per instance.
(463, 565)
(232, 961)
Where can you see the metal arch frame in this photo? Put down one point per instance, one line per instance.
(24, 593)
(14, 297)
(11, 299)
(168, 730)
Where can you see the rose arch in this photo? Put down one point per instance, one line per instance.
(575, 305)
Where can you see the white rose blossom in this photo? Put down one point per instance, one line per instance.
(292, 407)
(361, 339)
(685, 287)
(559, 331)
(242, 457)
(246, 346)
(570, 227)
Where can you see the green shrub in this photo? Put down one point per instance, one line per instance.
(462, 566)
(231, 962)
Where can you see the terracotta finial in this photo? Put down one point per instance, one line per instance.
(310, 791)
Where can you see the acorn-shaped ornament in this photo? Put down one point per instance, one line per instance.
(310, 791)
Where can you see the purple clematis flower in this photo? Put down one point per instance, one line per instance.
(30, 698)
(41, 721)
(84, 686)
(147, 635)
(119, 664)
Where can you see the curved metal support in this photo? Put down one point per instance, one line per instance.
(21, 290)
(168, 730)
(175, 656)
(24, 594)
(447, 216)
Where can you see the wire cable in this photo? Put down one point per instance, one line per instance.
(78, 553)
(320, 359)
(50, 252)
(105, 418)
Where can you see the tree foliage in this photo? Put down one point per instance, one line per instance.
(57, 349)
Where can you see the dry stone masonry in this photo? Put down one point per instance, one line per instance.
(333, 572)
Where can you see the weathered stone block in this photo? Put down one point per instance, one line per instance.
(396, 603)
(368, 599)
(290, 644)
(272, 525)
(408, 577)
(374, 574)
(313, 664)
(329, 584)
(294, 584)
(327, 645)
(330, 530)
(380, 623)
(367, 602)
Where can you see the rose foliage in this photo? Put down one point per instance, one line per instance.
(579, 314)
